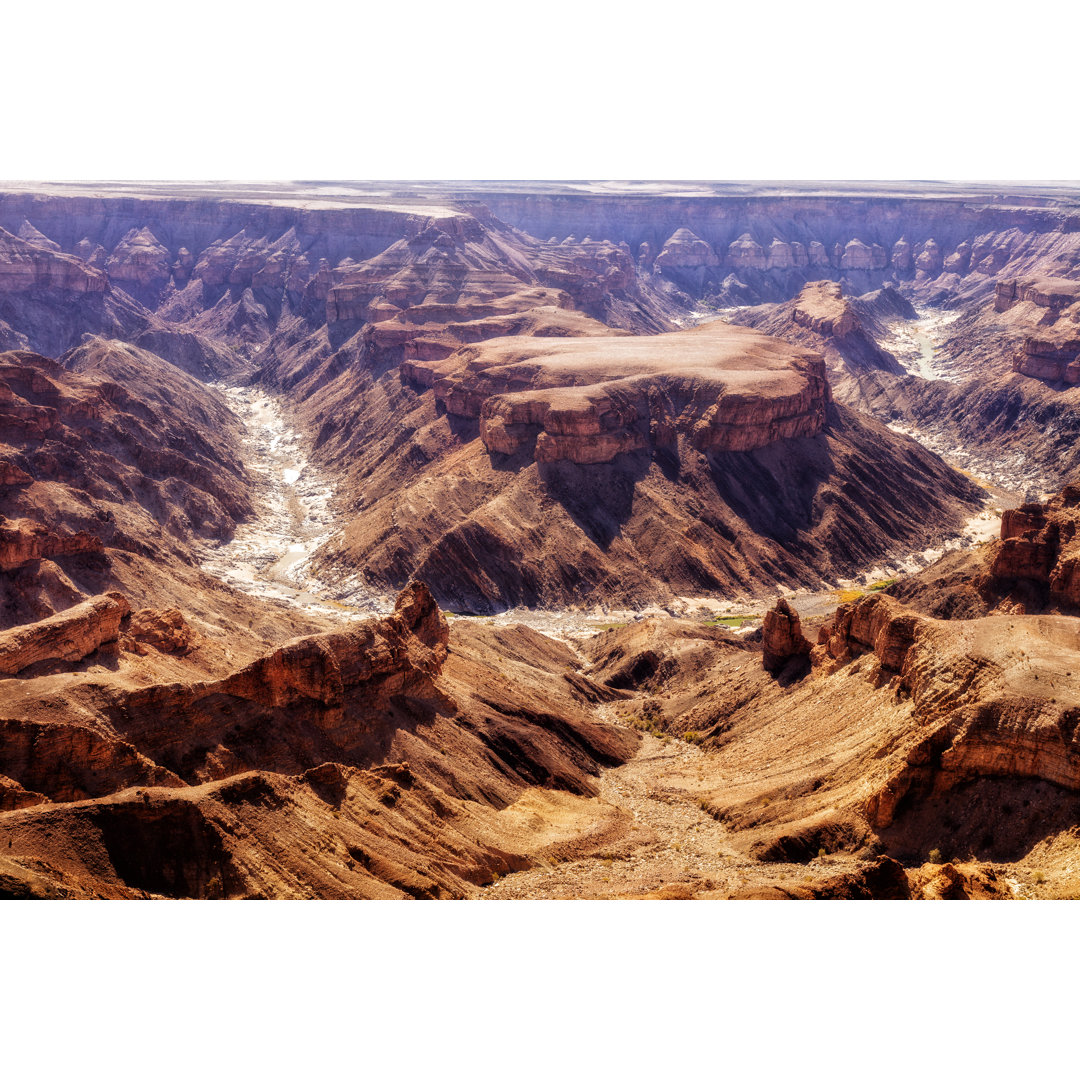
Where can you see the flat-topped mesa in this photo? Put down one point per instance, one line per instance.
(722, 387)
(822, 308)
(1055, 294)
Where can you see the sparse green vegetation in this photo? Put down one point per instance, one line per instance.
(935, 856)
(692, 736)
(879, 585)
(732, 622)
(649, 718)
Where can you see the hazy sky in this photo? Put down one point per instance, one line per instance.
(213, 89)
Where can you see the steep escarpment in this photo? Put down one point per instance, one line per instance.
(123, 453)
(749, 248)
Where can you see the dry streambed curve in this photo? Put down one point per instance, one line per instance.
(269, 556)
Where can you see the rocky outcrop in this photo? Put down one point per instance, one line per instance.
(23, 541)
(1040, 543)
(877, 624)
(341, 684)
(12, 476)
(685, 250)
(1053, 294)
(860, 256)
(843, 328)
(28, 267)
(587, 400)
(1053, 359)
(70, 636)
(746, 254)
(165, 631)
(821, 308)
(140, 263)
(995, 697)
(782, 637)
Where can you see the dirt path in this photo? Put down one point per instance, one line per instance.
(680, 849)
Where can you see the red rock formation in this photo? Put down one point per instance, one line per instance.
(69, 636)
(782, 636)
(1041, 543)
(589, 399)
(23, 541)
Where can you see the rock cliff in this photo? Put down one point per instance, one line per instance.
(589, 399)
(69, 636)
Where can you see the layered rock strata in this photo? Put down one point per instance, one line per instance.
(588, 400)
(366, 763)
(70, 635)
(997, 697)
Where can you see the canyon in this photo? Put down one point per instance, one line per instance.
(539, 540)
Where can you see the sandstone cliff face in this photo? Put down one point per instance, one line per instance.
(1052, 307)
(724, 389)
(1041, 543)
(24, 541)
